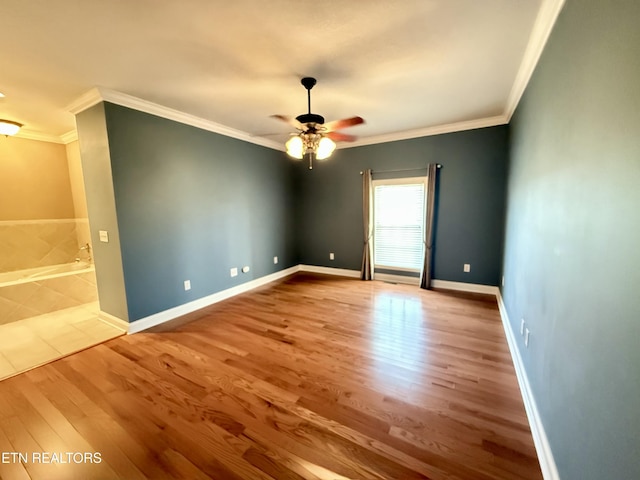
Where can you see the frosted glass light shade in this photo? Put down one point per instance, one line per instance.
(8, 127)
(295, 147)
(325, 148)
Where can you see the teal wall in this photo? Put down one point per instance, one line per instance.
(469, 211)
(188, 204)
(192, 204)
(572, 261)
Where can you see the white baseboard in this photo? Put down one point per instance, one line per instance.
(540, 440)
(172, 313)
(465, 287)
(342, 272)
(114, 321)
(388, 277)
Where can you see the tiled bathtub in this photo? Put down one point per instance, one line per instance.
(35, 291)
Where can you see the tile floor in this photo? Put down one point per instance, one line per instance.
(37, 340)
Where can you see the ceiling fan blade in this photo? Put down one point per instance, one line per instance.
(344, 123)
(290, 120)
(341, 137)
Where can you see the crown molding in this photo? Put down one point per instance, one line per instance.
(39, 136)
(429, 131)
(542, 27)
(99, 94)
(546, 19)
(64, 139)
(70, 136)
(84, 101)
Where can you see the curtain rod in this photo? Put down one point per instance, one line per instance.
(401, 170)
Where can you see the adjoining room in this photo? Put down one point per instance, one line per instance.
(48, 295)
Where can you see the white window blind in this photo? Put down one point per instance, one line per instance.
(398, 225)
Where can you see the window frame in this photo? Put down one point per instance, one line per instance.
(398, 181)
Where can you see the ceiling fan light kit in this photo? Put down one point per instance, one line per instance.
(310, 144)
(295, 147)
(315, 138)
(326, 146)
(9, 127)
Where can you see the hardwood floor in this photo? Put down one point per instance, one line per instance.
(314, 377)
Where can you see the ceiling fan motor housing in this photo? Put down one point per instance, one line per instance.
(310, 118)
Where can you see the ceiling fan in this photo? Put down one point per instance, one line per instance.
(315, 139)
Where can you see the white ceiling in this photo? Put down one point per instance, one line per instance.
(408, 67)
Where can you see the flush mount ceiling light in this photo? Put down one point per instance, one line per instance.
(315, 139)
(9, 127)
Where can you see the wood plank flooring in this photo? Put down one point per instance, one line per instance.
(314, 377)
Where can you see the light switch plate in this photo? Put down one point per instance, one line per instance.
(104, 236)
(234, 272)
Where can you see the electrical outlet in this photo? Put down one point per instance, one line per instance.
(187, 284)
(234, 272)
(245, 269)
(467, 267)
(275, 260)
(522, 324)
(526, 337)
(332, 256)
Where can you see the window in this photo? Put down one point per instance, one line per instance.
(398, 216)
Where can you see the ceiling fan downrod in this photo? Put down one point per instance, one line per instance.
(308, 83)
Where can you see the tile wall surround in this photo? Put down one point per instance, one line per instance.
(36, 243)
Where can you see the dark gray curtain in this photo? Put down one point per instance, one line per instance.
(366, 273)
(432, 178)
